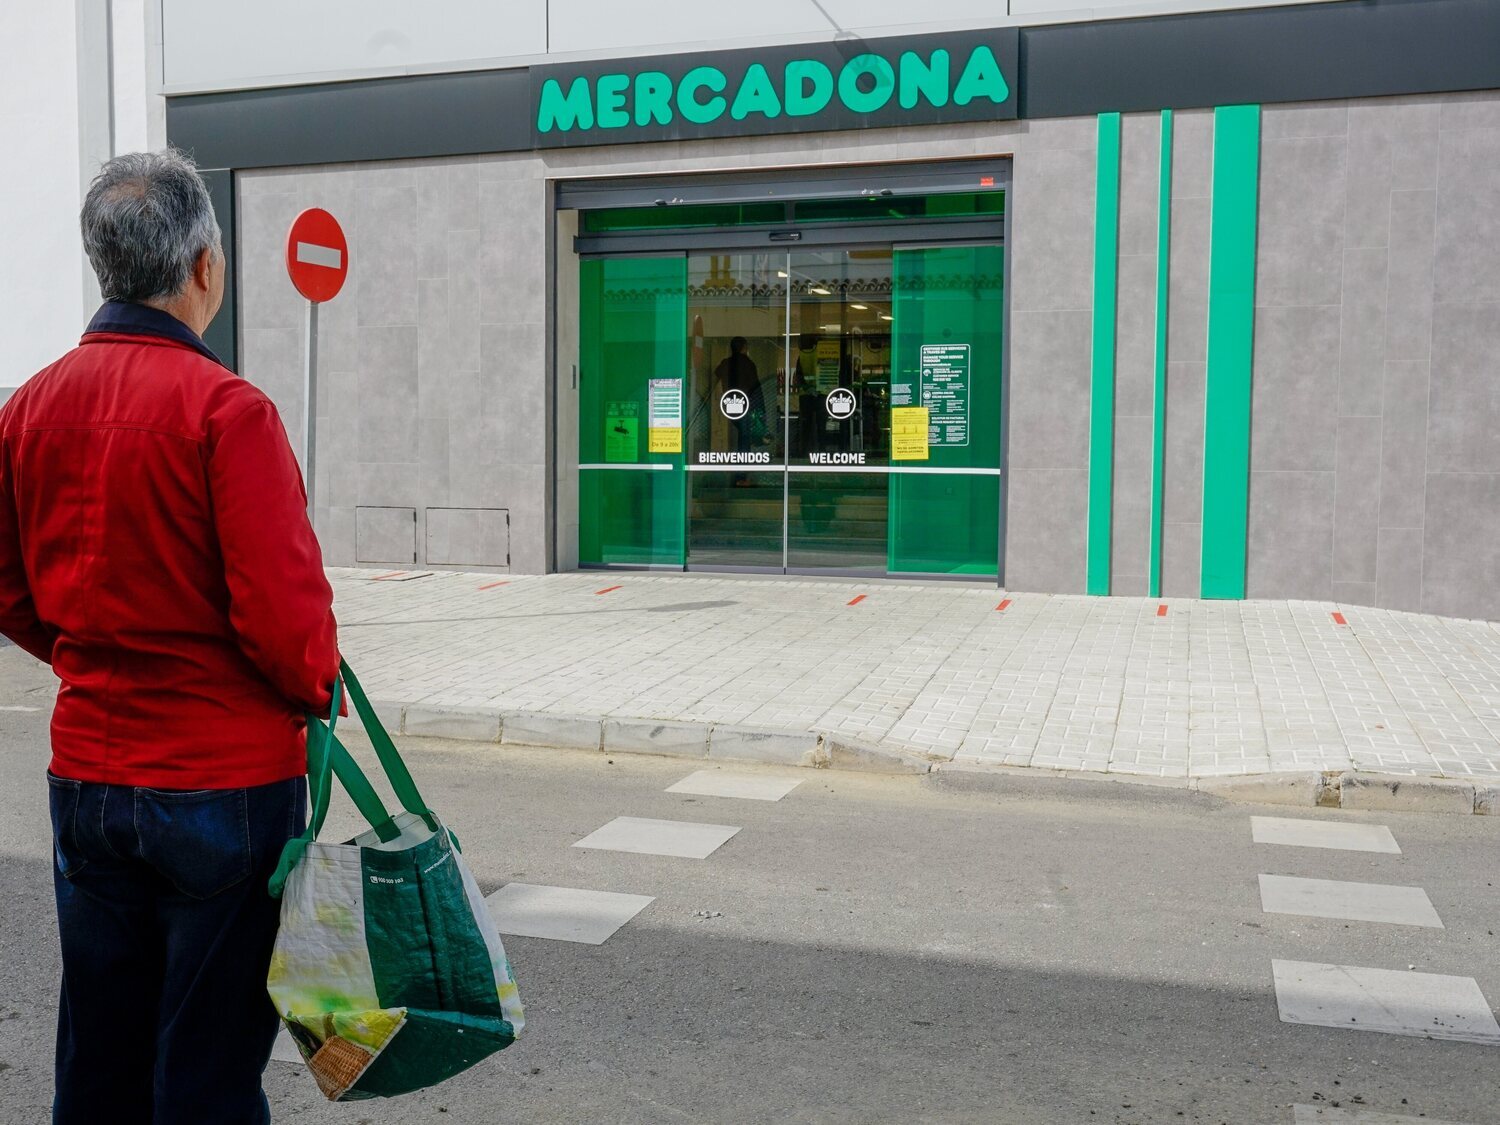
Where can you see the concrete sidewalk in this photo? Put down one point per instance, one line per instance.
(795, 669)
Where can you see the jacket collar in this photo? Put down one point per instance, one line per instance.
(130, 319)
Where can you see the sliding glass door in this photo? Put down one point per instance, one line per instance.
(822, 410)
(736, 360)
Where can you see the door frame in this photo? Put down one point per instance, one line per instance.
(917, 179)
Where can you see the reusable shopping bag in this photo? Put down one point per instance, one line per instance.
(388, 971)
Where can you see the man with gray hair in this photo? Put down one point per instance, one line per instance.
(155, 550)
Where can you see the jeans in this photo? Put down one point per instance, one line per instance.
(166, 931)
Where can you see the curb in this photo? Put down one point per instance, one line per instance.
(731, 742)
(715, 742)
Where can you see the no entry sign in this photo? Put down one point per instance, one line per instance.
(317, 256)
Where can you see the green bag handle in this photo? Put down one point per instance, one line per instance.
(353, 779)
(327, 756)
(319, 769)
(390, 759)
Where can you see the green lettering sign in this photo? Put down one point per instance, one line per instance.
(701, 78)
(881, 88)
(610, 102)
(800, 99)
(557, 110)
(929, 79)
(959, 76)
(981, 79)
(757, 95)
(653, 98)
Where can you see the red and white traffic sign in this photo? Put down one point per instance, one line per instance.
(317, 255)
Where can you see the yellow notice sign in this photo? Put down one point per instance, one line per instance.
(664, 439)
(909, 433)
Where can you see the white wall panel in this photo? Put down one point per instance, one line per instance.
(133, 93)
(41, 268)
(227, 44)
(224, 43)
(606, 25)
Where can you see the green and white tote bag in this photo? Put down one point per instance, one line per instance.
(388, 970)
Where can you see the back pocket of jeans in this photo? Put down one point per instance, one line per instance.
(199, 841)
(62, 800)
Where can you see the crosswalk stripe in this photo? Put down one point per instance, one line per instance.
(284, 1050)
(742, 786)
(1315, 1114)
(679, 838)
(1304, 833)
(563, 913)
(1422, 1005)
(1358, 902)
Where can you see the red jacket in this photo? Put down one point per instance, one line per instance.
(155, 550)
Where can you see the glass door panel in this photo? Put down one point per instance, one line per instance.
(945, 398)
(736, 431)
(837, 513)
(630, 387)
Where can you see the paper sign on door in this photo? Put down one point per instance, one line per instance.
(664, 433)
(909, 433)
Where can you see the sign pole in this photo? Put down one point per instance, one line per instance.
(317, 261)
(310, 407)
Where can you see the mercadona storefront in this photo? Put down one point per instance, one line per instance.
(1150, 306)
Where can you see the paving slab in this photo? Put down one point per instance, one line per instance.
(1423, 1005)
(917, 673)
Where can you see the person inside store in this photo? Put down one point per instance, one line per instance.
(156, 552)
(737, 372)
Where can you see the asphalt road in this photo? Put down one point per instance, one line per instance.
(876, 950)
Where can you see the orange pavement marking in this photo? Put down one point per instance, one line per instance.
(856, 599)
(392, 574)
(1338, 619)
(1161, 611)
(1003, 604)
(492, 585)
(606, 590)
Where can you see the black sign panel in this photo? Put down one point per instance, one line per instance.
(845, 84)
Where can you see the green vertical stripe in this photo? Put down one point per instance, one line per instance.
(1159, 392)
(1102, 378)
(1231, 321)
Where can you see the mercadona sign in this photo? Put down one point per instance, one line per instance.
(928, 79)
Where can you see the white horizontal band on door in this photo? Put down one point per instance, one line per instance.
(657, 467)
(852, 469)
(315, 255)
(895, 469)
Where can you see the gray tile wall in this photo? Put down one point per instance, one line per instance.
(1187, 352)
(1375, 463)
(1135, 353)
(1051, 314)
(432, 371)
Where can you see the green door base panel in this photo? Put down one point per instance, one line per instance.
(1231, 323)
(1102, 374)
